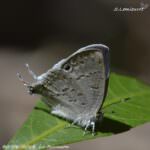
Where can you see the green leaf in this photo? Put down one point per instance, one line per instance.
(126, 106)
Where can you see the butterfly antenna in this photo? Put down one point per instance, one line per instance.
(31, 72)
(22, 80)
(27, 84)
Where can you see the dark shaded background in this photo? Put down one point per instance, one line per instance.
(43, 32)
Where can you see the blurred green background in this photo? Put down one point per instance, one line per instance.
(42, 32)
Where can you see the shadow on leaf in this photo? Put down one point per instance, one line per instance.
(42, 109)
(113, 126)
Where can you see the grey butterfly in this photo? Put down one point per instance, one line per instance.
(75, 87)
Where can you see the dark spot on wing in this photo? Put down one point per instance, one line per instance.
(72, 90)
(79, 77)
(94, 87)
(70, 100)
(83, 103)
(82, 62)
(74, 100)
(80, 94)
(65, 89)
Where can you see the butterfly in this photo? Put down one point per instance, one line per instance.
(75, 88)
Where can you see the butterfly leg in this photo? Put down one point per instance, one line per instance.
(73, 124)
(90, 123)
(86, 127)
(31, 72)
(93, 127)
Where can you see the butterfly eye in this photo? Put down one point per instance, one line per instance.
(67, 67)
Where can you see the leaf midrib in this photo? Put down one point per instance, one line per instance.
(48, 132)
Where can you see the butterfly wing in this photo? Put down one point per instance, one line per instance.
(89, 74)
(77, 84)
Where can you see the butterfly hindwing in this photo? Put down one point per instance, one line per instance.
(75, 87)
